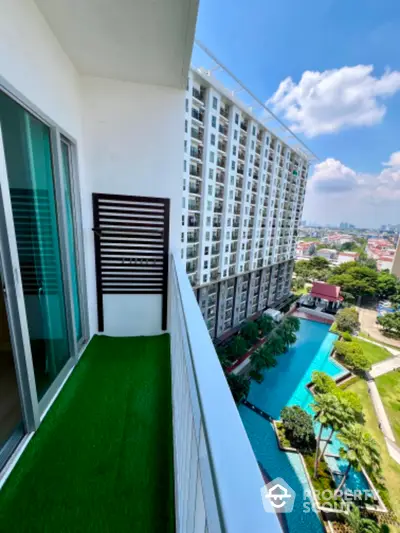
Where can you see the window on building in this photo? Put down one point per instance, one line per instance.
(267, 141)
(214, 121)
(211, 174)
(236, 118)
(206, 250)
(226, 261)
(207, 235)
(229, 222)
(232, 180)
(231, 195)
(251, 158)
(228, 234)
(212, 139)
(233, 165)
(230, 208)
(215, 102)
(183, 203)
(210, 190)
(248, 185)
(252, 145)
(209, 205)
(186, 126)
(246, 209)
(183, 220)
(234, 150)
(212, 157)
(208, 221)
(225, 273)
(205, 277)
(247, 198)
(185, 146)
(254, 130)
(187, 105)
(205, 264)
(235, 135)
(250, 170)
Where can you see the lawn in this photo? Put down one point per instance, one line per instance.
(390, 469)
(389, 390)
(374, 353)
(102, 460)
(368, 336)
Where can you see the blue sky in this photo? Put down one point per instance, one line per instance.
(349, 117)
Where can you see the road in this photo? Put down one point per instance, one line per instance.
(369, 325)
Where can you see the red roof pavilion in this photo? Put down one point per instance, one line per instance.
(325, 291)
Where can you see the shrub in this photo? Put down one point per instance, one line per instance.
(347, 336)
(298, 427)
(347, 320)
(239, 385)
(237, 347)
(323, 383)
(353, 355)
(257, 376)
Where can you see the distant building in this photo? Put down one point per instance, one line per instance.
(382, 251)
(328, 253)
(305, 249)
(396, 261)
(345, 257)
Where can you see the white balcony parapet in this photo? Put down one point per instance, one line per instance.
(217, 478)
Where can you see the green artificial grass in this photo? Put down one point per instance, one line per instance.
(102, 460)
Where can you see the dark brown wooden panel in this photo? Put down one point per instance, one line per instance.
(131, 247)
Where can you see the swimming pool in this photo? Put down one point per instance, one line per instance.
(285, 385)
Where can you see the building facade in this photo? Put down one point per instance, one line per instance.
(243, 195)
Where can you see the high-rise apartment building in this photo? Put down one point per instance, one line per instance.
(243, 195)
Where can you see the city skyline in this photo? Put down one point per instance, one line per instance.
(342, 96)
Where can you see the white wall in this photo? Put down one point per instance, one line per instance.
(133, 145)
(129, 137)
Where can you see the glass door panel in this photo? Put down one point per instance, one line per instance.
(72, 248)
(11, 428)
(30, 176)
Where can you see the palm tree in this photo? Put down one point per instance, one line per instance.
(266, 324)
(325, 407)
(358, 524)
(238, 346)
(276, 344)
(344, 416)
(293, 322)
(262, 358)
(239, 385)
(362, 451)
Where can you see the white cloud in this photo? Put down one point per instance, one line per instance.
(326, 102)
(332, 176)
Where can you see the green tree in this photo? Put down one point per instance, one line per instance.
(347, 320)
(276, 344)
(390, 323)
(323, 383)
(358, 524)
(355, 279)
(319, 263)
(345, 415)
(262, 358)
(326, 408)
(239, 385)
(293, 322)
(298, 427)
(361, 451)
(349, 247)
(353, 355)
(250, 332)
(387, 285)
(238, 346)
(266, 324)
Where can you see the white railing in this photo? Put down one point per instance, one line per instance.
(217, 479)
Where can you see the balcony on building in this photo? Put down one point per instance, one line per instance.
(219, 193)
(197, 135)
(240, 170)
(244, 125)
(196, 152)
(242, 139)
(194, 204)
(231, 270)
(222, 146)
(194, 187)
(221, 162)
(195, 171)
(193, 236)
(216, 221)
(220, 177)
(224, 112)
(194, 221)
(223, 130)
(216, 236)
(214, 275)
(198, 94)
(198, 116)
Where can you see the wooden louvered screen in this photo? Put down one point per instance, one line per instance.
(131, 247)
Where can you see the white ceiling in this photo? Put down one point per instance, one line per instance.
(144, 41)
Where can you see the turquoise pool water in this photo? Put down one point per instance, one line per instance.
(285, 385)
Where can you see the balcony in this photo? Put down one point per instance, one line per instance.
(220, 177)
(196, 153)
(193, 205)
(194, 188)
(242, 140)
(193, 221)
(239, 183)
(214, 262)
(198, 115)
(215, 249)
(222, 146)
(195, 171)
(223, 130)
(219, 193)
(221, 162)
(244, 125)
(240, 170)
(216, 222)
(197, 134)
(216, 236)
(193, 236)
(224, 112)
(214, 275)
(231, 270)
(198, 95)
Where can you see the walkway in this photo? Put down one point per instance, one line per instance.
(369, 325)
(384, 424)
(102, 460)
(258, 410)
